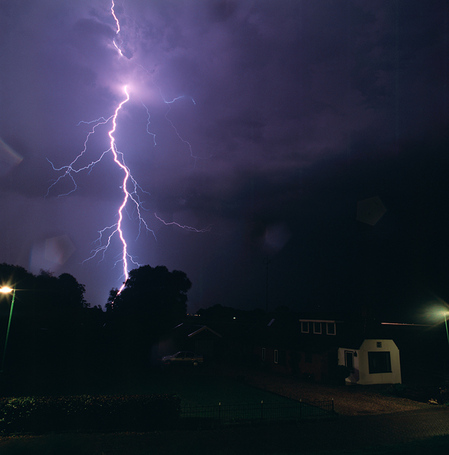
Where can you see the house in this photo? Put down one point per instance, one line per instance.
(314, 349)
(374, 361)
(306, 348)
(194, 337)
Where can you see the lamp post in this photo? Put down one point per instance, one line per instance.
(446, 314)
(7, 290)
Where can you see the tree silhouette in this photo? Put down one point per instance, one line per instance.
(152, 302)
(46, 327)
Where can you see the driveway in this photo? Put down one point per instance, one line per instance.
(348, 400)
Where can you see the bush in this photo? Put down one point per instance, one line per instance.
(89, 413)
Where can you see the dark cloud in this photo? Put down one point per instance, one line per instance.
(288, 114)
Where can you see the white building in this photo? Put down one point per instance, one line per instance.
(374, 362)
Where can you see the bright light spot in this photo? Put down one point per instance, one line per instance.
(6, 290)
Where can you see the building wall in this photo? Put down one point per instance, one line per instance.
(372, 355)
(314, 366)
(278, 360)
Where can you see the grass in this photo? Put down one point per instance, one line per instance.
(207, 390)
(194, 386)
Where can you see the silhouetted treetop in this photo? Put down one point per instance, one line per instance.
(153, 294)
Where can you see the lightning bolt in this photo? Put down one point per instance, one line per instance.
(118, 159)
(169, 103)
(117, 23)
(148, 124)
(181, 226)
(129, 186)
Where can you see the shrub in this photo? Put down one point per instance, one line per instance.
(90, 413)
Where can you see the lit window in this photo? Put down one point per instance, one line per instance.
(317, 327)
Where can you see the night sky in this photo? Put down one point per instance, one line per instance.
(264, 124)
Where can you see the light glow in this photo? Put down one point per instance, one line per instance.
(6, 290)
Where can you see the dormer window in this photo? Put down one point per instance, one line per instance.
(330, 328)
(318, 326)
(305, 327)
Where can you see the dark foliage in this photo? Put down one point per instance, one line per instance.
(152, 302)
(88, 413)
(57, 343)
(152, 293)
(51, 331)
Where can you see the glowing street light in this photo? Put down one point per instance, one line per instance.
(7, 290)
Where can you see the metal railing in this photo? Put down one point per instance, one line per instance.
(263, 411)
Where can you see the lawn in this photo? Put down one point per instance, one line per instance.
(204, 394)
(201, 388)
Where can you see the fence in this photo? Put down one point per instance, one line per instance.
(257, 412)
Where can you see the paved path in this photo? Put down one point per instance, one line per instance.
(311, 436)
(367, 431)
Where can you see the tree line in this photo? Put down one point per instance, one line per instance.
(57, 339)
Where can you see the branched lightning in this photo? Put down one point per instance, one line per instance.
(169, 103)
(148, 124)
(129, 186)
(186, 228)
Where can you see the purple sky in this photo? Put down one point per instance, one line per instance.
(290, 113)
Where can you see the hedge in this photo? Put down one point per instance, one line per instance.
(88, 413)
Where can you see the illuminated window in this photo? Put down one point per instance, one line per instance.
(379, 362)
(305, 327)
(317, 327)
(276, 356)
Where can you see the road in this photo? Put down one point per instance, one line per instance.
(356, 432)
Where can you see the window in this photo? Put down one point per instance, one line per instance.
(276, 356)
(379, 362)
(330, 328)
(264, 351)
(349, 360)
(317, 327)
(378, 344)
(305, 327)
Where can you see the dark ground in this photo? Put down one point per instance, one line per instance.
(423, 431)
(369, 422)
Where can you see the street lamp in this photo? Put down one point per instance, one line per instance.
(7, 290)
(446, 314)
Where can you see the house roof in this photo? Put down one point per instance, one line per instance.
(203, 328)
(190, 330)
